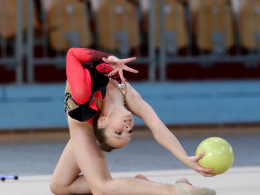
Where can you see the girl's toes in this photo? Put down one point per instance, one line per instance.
(184, 184)
(182, 180)
(140, 176)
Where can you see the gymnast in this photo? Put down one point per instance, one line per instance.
(99, 103)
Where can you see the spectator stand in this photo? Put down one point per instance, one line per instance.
(11, 37)
(209, 29)
(66, 24)
(166, 32)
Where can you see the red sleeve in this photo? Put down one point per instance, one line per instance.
(79, 78)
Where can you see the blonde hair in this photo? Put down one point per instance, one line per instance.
(100, 134)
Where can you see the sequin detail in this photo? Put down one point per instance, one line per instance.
(97, 55)
(69, 102)
(122, 88)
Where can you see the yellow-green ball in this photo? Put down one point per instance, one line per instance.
(218, 154)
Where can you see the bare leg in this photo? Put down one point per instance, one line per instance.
(66, 179)
(93, 164)
(81, 153)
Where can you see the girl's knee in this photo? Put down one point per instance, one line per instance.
(54, 188)
(57, 188)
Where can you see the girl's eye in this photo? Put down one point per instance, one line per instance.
(130, 131)
(118, 133)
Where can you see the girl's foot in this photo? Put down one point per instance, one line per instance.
(184, 184)
(183, 187)
(140, 176)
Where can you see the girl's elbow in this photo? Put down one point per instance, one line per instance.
(70, 51)
(137, 97)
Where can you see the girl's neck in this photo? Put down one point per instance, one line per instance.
(112, 101)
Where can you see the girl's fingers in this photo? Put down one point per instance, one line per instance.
(205, 170)
(106, 60)
(112, 72)
(130, 69)
(119, 61)
(207, 174)
(200, 156)
(121, 75)
(128, 60)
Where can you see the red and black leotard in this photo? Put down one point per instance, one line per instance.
(85, 83)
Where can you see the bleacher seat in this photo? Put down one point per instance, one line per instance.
(8, 12)
(250, 24)
(122, 33)
(212, 22)
(176, 31)
(71, 28)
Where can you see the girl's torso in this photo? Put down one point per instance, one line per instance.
(71, 104)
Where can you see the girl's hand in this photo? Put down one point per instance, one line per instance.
(119, 65)
(192, 162)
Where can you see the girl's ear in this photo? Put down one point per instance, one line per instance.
(101, 121)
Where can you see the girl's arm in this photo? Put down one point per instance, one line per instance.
(79, 78)
(161, 133)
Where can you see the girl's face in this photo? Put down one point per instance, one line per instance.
(119, 128)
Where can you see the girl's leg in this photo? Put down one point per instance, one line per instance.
(66, 179)
(92, 162)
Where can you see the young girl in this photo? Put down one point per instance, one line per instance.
(96, 99)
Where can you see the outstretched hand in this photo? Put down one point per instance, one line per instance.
(192, 162)
(119, 65)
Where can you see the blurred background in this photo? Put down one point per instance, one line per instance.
(198, 63)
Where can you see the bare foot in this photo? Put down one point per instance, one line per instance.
(140, 176)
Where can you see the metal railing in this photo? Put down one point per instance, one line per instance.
(171, 27)
(14, 61)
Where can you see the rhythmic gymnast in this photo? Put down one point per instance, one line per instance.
(96, 99)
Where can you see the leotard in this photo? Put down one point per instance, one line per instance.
(84, 84)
